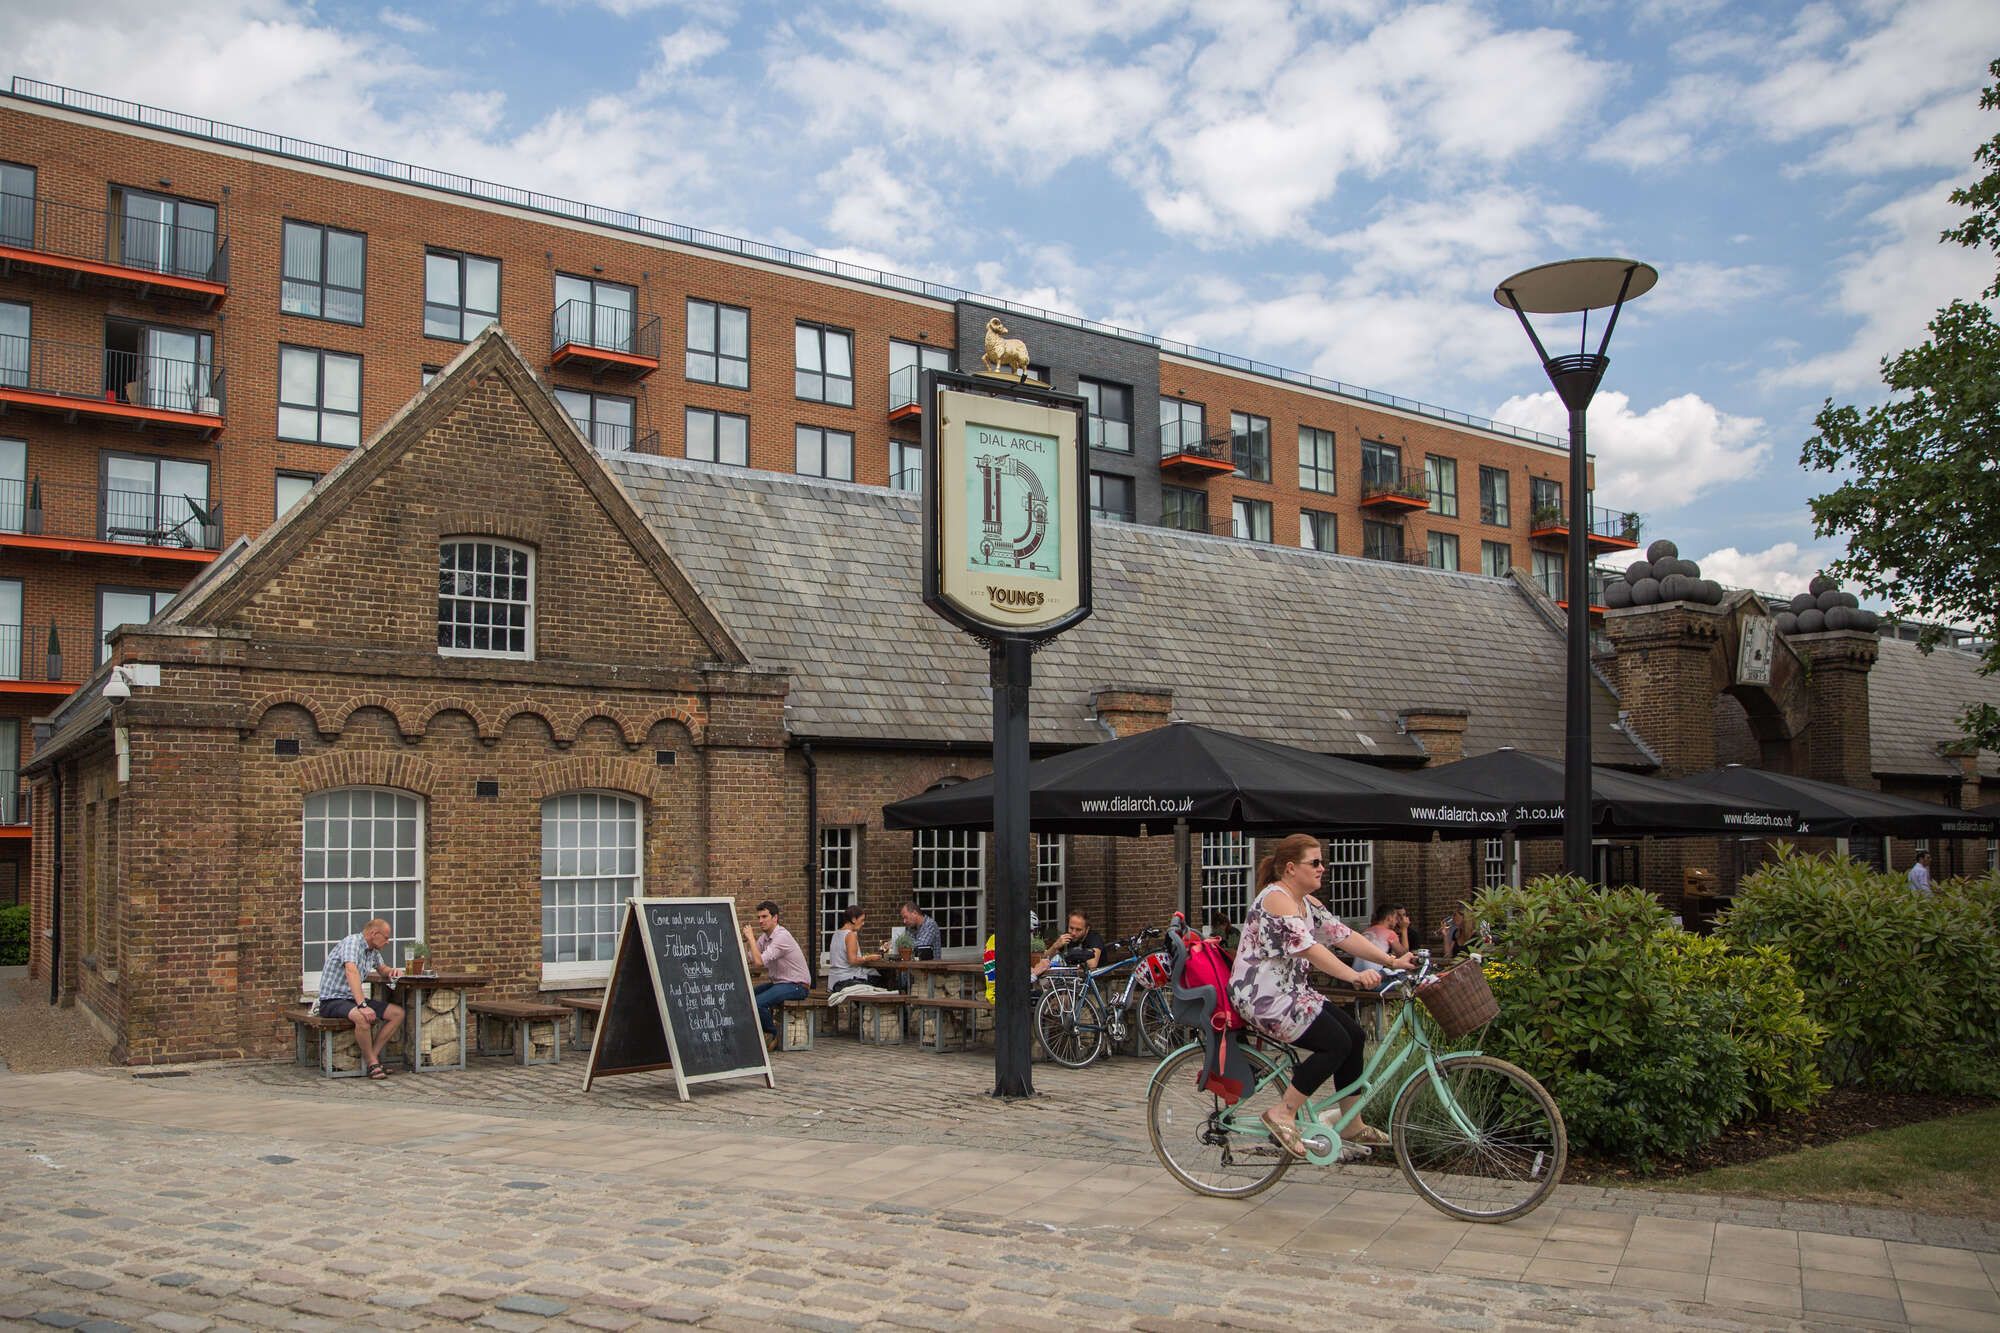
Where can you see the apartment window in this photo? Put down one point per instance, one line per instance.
(1316, 460)
(1442, 549)
(319, 396)
(606, 419)
(1251, 519)
(1317, 531)
(906, 466)
(1496, 559)
(1547, 569)
(1183, 426)
(1042, 373)
(718, 344)
(718, 437)
(1225, 875)
(1051, 883)
(1110, 413)
(126, 606)
(1111, 496)
(591, 313)
(1493, 497)
(590, 866)
(16, 320)
(1348, 888)
(11, 809)
(152, 501)
(1492, 862)
(17, 205)
(486, 599)
(1441, 480)
(1993, 853)
(164, 234)
(1250, 445)
(461, 294)
(824, 365)
(1381, 541)
(10, 629)
(948, 880)
(907, 363)
(292, 487)
(363, 858)
(325, 272)
(13, 485)
(1545, 498)
(825, 453)
(429, 373)
(1183, 508)
(838, 878)
(1381, 464)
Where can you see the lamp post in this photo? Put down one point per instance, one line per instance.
(1577, 286)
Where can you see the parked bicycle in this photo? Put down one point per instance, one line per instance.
(1476, 1137)
(1077, 1023)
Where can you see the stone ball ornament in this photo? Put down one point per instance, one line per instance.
(1812, 622)
(1822, 583)
(1617, 594)
(1788, 622)
(1638, 569)
(1662, 549)
(1646, 592)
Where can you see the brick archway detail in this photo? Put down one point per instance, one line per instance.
(383, 702)
(365, 768)
(481, 723)
(572, 727)
(600, 772)
(322, 722)
(686, 717)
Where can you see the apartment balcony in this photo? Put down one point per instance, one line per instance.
(14, 815)
(104, 247)
(111, 521)
(1548, 523)
(1613, 530)
(1398, 492)
(75, 380)
(46, 659)
(605, 340)
(608, 438)
(1187, 455)
(1555, 587)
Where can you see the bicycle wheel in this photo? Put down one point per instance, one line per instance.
(1192, 1137)
(1157, 1028)
(1510, 1162)
(1070, 1026)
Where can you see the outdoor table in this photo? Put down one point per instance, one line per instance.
(941, 979)
(437, 1003)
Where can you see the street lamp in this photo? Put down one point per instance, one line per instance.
(1577, 286)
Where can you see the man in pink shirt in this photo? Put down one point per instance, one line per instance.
(776, 954)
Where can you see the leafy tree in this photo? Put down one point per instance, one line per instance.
(1920, 507)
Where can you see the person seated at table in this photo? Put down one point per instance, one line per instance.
(1451, 931)
(1389, 930)
(992, 949)
(846, 965)
(776, 954)
(1079, 946)
(923, 931)
(343, 992)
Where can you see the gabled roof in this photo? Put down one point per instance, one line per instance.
(1914, 703)
(1313, 650)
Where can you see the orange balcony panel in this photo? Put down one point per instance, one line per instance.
(143, 278)
(602, 359)
(16, 831)
(70, 405)
(58, 688)
(907, 412)
(83, 546)
(1594, 610)
(1198, 466)
(1547, 531)
(1606, 541)
(1392, 500)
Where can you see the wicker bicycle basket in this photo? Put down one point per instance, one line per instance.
(1460, 1000)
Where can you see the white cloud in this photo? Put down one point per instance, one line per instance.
(1667, 131)
(1657, 459)
(877, 206)
(687, 48)
(1784, 568)
(402, 21)
(1701, 286)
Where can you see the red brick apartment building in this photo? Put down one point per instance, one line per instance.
(197, 321)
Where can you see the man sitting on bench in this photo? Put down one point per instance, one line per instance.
(343, 992)
(777, 955)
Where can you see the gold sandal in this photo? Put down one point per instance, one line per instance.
(1285, 1133)
(1366, 1135)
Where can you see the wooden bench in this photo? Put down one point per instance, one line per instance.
(518, 1018)
(798, 1021)
(959, 1034)
(579, 1005)
(879, 1020)
(306, 1025)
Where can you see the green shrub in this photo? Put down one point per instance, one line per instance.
(1907, 985)
(1651, 1041)
(13, 936)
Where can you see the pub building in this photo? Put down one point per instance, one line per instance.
(487, 683)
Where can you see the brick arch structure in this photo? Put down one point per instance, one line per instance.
(600, 772)
(365, 768)
(323, 721)
(527, 529)
(528, 709)
(488, 732)
(409, 730)
(572, 726)
(688, 719)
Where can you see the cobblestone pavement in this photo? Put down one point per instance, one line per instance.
(502, 1197)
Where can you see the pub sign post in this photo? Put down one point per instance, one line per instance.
(1007, 560)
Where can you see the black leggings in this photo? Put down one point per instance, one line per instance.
(1335, 1041)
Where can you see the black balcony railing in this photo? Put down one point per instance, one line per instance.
(1620, 525)
(607, 328)
(1555, 585)
(105, 374)
(613, 439)
(13, 800)
(108, 236)
(124, 514)
(904, 382)
(1546, 518)
(1186, 437)
(1405, 485)
(47, 652)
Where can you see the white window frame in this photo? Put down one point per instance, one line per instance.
(942, 861)
(1228, 861)
(527, 652)
(839, 881)
(309, 981)
(1355, 857)
(1494, 869)
(590, 972)
(1051, 881)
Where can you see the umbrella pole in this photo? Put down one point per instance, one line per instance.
(1184, 871)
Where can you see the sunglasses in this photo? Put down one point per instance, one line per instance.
(1317, 863)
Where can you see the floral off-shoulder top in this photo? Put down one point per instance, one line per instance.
(1270, 984)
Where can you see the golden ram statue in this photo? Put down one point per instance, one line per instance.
(1002, 352)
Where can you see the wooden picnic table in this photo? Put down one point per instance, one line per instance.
(939, 978)
(436, 998)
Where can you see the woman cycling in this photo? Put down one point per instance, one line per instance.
(1288, 934)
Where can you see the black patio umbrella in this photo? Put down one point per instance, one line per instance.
(1621, 804)
(1829, 810)
(1211, 780)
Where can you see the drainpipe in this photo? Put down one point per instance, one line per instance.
(56, 887)
(812, 859)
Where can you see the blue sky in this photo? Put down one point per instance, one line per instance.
(1332, 186)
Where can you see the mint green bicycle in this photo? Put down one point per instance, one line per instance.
(1476, 1137)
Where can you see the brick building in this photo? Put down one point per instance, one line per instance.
(486, 682)
(198, 320)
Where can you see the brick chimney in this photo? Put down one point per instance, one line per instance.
(1836, 736)
(1127, 710)
(1440, 730)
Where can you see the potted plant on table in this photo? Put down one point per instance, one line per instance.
(417, 957)
(902, 944)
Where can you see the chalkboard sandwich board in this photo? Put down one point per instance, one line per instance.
(679, 997)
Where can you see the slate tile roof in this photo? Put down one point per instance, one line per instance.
(1296, 646)
(1914, 701)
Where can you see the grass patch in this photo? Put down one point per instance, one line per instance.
(1949, 1166)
